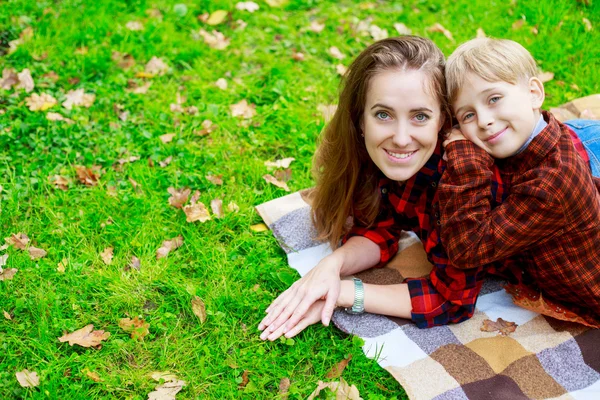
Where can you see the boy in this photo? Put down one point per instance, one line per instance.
(543, 225)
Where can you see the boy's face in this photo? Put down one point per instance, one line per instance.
(498, 116)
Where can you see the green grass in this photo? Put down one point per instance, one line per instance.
(236, 271)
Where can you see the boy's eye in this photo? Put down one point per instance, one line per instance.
(494, 99)
(421, 117)
(382, 115)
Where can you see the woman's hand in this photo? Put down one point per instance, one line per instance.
(321, 283)
(312, 316)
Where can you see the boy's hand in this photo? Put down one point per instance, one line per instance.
(454, 135)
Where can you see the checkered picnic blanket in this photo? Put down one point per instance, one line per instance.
(543, 359)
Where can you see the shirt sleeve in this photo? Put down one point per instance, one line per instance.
(473, 233)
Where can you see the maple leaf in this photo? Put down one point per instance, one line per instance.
(402, 29)
(282, 163)
(437, 27)
(215, 179)
(137, 327)
(88, 176)
(85, 337)
(503, 327)
(221, 83)
(243, 109)
(284, 386)
(40, 102)
(216, 206)
(25, 80)
(341, 389)
(167, 390)
(199, 309)
(9, 79)
(169, 245)
(216, 40)
(196, 212)
(156, 66)
(28, 378)
(36, 253)
(52, 116)
(178, 196)
(336, 53)
(134, 26)
(107, 255)
(271, 179)
(19, 240)
(249, 6)
(78, 98)
(337, 370)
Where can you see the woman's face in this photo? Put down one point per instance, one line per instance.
(400, 122)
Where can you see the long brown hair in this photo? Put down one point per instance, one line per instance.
(346, 176)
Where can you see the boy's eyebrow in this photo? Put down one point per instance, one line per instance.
(490, 89)
(391, 108)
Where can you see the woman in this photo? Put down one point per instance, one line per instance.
(379, 161)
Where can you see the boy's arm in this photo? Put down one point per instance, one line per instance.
(473, 233)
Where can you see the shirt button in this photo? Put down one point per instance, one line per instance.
(384, 190)
(439, 222)
(437, 214)
(434, 184)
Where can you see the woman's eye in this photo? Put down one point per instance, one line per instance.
(382, 115)
(421, 117)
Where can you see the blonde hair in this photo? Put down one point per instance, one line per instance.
(490, 59)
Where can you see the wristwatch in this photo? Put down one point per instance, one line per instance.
(359, 298)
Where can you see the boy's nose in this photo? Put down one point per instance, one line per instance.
(485, 119)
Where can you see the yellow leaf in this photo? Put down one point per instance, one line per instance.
(143, 74)
(217, 17)
(259, 227)
(276, 3)
(62, 266)
(199, 308)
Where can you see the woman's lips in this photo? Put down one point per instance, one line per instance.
(399, 157)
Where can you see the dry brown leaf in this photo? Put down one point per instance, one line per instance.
(327, 111)
(298, 56)
(25, 80)
(52, 116)
(341, 69)
(259, 227)
(135, 263)
(437, 27)
(232, 207)
(6, 315)
(53, 76)
(169, 245)
(28, 378)
(123, 60)
(283, 175)
(7, 274)
(402, 29)
(480, 33)
(137, 327)
(3, 259)
(216, 206)
(336, 53)
(167, 137)
(60, 182)
(503, 327)
(215, 179)
(243, 109)
(143, 89)
(107, 255)
(282, 163)
(154, 13)
(9, 79)
(40, 102)
(249, 6)
(36, 253)
(215, 40)
(245, 380)
(341, 389)
(284, 386)
(199, 309)
(545, 76)
(78, 98)
(81, 51)
(316, 27)
(134, 26)
(62, 266)
(588, 25)
(167, 390)
(178, 196)
(196, 212)
(195, 197)
(518, 24)
(85, 337)
(221, 83)
(337, 370)
(165, 162)
(377, 33)
(164, 375)
(88, 176)
(129, 159)
(20, 240)
(207, 127)
(156, 66)
(271, 179)
(93, 375)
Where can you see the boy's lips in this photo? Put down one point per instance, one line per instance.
(495, 135)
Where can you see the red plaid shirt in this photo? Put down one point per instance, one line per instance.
(449, 294)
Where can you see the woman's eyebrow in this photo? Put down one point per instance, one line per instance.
(381, 105)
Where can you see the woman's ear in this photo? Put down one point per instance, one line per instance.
(536, 89)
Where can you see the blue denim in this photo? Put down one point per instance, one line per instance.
(588, 132)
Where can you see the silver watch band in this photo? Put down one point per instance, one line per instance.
(358, 307)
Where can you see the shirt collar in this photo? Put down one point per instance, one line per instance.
(541, 124)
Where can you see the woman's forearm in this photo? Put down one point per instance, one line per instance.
(356, 255)
(393, 300)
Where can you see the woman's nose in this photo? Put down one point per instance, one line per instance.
(401, 136)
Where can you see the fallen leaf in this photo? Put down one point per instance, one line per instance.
(164, 375)
(92, 375)
(196, 212)
(245, 380)
(232, 207)
(249, 6)
(243, 109)
(377, 33)
(271, 179)
(3, 259)
(78, 98)
(144, 75)
(276, 3)
(217, 17)
(587, 24)
(137, 327)
(8, 274)
(437, 27)
(167, 137)
(195, 197)
(135, 263)
(503, 327)
(216, 40)
(88, 176)
(284, 386)
(221, 83)
(19, 240)
(53, 76)
(327, 111)
(337, 370)
(298, 56)
(199, 309)
(62, 266)
(143, 89)
(336, 53)
(282, 163)
(178, 196)
(134, 26)
(28, 378)
(6, 315)
(40, 102)
(341, 389)
(25, 80)
(9, 79)
(169, 245)
(52, 116)
(480, 33)
(35, 253)
(402, 29)
(85, 337)
(82, 51)
(107, 255)
(518, 24)
(259, 227)
(216, 206)
(535, 30)
(165, 162)
(123, 60)
(316, 27)
(167, 390)
(341, 69)
(283, 175)
(545, 76)
(156, 66)
(129, 159)
(154, 13)
(215, 179)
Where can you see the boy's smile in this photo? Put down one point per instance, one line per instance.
(498, 116)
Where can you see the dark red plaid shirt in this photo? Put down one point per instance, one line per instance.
(449, 294)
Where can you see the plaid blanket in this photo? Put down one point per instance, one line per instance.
(542, 359)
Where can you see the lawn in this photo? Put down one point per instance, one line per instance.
(100, 179)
